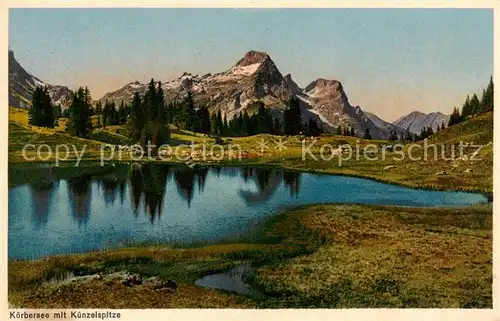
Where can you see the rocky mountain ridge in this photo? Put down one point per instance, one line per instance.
(255, 77)
(416, 121)
(22, 84)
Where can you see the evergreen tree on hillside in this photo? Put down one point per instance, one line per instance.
(57, 111)
(367, 134)
(41, 112)
(225, 127)
(160, 115)
(150, 102)
(246, 126)
(79, 122)
(277, 130)
(213, 124)
(466, 109)
(98, 108)
(407, 136)
(393, 135)
(155, 129)
(263, 119)
(426, 132)
(455, 117)
(203, 120)
(123, 113)
(219, 124)
(474, 105)
(292, 117)
(171, 110)
(312, 128)
(186, 114)
(137, 117)
(110, 115)
(486, 103)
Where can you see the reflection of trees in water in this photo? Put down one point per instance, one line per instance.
(246, 172)
(122, 191)
(267, 181)
(112, 186)
(155, 180)
(217, 171)
(202, 174)
(79, 198)
(291, 180)
(148, 182)
(184, 179)
(136, 187)
(41, 193)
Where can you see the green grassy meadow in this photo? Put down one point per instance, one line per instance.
(319, 256)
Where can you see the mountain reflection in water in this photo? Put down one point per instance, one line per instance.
(153, 203)
(147, 187)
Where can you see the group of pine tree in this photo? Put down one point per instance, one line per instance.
(470, 108)
(473, 106)
(42, 113)
(147, 118)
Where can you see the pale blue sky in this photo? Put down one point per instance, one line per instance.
(390, 61)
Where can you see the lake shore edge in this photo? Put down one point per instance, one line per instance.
(296, 234)
(488, 192)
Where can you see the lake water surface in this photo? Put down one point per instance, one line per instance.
(162, 204)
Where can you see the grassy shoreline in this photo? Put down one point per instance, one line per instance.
(17, 169)
(309, 256)
(317, 256)
(432, 173)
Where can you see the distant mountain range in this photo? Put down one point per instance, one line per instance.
(387, 127)
(253, 78)
(416, 121)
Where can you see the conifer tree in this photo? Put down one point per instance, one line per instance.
(79, 122)
(487, 98)
(225, 127)
(41, 112)
(367, 134)
(137, 117)
(276, 127)
(455, 117)
(292, 117)
(474, 105)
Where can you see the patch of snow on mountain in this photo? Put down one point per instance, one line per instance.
(223, 78)
(321, 117)
(304, 99)
(246, 70)
(135, 85)
(196, 88)
(34, 82)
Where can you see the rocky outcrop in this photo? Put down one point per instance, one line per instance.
(22, 84)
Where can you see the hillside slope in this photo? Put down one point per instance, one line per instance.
(477, 130)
